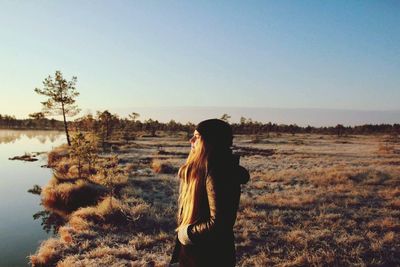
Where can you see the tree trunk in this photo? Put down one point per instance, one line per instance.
(65, 125)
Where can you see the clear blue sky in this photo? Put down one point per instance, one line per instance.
(286, 54)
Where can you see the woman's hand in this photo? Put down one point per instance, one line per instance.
(183, 235)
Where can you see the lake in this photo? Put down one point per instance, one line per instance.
(20, 234)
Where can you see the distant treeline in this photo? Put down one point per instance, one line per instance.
(10, 122)
(107, 123)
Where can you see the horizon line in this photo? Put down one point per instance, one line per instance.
(259, 107)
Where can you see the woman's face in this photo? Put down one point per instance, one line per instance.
(195, 140)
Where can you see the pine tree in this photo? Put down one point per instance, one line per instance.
(61, 98)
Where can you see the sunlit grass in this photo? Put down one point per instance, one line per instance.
(315, 201)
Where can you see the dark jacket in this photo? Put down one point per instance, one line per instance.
(212, 235)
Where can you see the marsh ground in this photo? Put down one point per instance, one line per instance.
(312, 200)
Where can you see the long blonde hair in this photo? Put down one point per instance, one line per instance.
(192, 184)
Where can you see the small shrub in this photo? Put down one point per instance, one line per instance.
(111, 176)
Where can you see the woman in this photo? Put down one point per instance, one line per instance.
(208, 198)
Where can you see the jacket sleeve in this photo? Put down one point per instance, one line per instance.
(206, 228)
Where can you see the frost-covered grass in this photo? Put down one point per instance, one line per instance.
(312, 201)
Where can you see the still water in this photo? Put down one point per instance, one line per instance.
(20, 234)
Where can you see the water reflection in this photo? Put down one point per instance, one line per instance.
(19, 232)
(11, 136)
(35, 190)
(51, 221)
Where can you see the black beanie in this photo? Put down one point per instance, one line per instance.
(216, 132)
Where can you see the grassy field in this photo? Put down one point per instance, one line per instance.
(312, 200)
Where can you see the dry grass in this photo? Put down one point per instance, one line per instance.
(102, 235)
(311, 201)
(114, 213)
(66, 192)
(163, 166)
(58, 153)
(69, 196)
(49, 253)
(321, 203)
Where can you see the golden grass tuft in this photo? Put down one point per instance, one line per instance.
(56, 154)
(163, 166)
(300, 260)
(296, 200)
(116, 214)
(79, 223)
(49, 253)
(297, 237)
(65, 234)
(116, 252)
(69, 196)
(71, 261)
